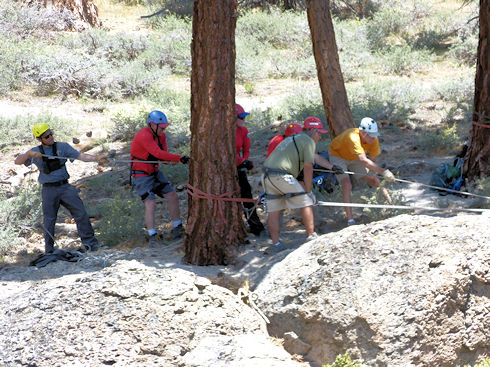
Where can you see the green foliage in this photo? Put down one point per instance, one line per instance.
(122, 219)
(347, 9)
(342, 360)
(481, 186)
(390, 99)
(402, 60)
(19, 214)
(19, 129)
(464, 51)
(303, 102)
(389, 25)
(21, 21)
(127, 122)
(442, 140)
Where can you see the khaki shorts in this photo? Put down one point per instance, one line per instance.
(280, 185)
(353, 166)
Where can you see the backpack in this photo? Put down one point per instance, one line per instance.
(448, 176)
(324, 181)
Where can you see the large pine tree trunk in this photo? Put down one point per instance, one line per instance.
(478, 154)
(213, 236)
(83, 10)
(334, 95)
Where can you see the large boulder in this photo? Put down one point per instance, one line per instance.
(406, 291)
(129, 314)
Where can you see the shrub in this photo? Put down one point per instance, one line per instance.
(119, 221)
(442, 140)
(402, 60)
(21, 21)
(389, 25)
(342, 360)
(18, 130)
(464, 51)
(19, 214)
(390, 99)
(127, 122)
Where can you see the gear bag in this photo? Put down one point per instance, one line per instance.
(448, 176)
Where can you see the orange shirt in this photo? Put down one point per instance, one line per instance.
(348, 146)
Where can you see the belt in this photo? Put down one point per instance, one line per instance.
(57, 183)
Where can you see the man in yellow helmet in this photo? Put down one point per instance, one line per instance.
(56, 190)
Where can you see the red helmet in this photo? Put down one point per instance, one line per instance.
(293, 128)
(314, 123)
(240, 112)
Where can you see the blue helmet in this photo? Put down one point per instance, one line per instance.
(158, 117)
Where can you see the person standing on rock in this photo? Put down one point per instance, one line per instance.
(242, 143)
(56, 191)
(283, 191)
(356, 150)
(149, 146)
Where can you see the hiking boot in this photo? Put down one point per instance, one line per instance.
(312, 237)
(155, 241)
(91, 248)
(178, 232)
(351, 222)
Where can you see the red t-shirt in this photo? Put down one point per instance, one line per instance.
(275, 141)
(145, 147)
(242, 143)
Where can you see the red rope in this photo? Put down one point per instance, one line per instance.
(196, 193)
(480, 125)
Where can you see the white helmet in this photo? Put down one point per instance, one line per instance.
(369, 126)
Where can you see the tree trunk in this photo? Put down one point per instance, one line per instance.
(212, 236)
(83, 10)
(337, 110)
(478, 154)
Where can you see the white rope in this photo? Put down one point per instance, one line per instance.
(402, 207)
(417, 183)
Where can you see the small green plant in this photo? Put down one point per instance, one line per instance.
(484, 363)
(122, 219)
(342, 360)
(442, 140)
(249, 88)
(19, 214)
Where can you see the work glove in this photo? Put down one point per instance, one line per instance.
(311, 195)
(248, 165)
(34, 154)
(185, 159)
(388, 175)
(101, 159)
(337, 170)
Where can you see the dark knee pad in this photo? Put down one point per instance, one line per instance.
(159, 189)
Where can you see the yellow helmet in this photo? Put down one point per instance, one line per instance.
(40, 129)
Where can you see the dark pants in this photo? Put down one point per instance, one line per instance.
(254, 222)
(66, 195)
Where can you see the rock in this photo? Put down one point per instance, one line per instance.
(406, 291)
(128, 314)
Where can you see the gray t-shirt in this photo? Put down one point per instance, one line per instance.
(62, 150)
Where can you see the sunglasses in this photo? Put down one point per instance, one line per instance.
(47, 136)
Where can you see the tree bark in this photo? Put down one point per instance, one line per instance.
(478, 155)
(334, 95)
(84, 10)
(212, 237)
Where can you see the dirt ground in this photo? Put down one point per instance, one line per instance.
(397, 155)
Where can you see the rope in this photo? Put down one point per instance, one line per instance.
(420, 184)
(402, 207)
(249, 297)
(487, 126)
(196, 193)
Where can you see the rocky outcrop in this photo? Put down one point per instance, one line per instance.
(407, 291)
(130, 314)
